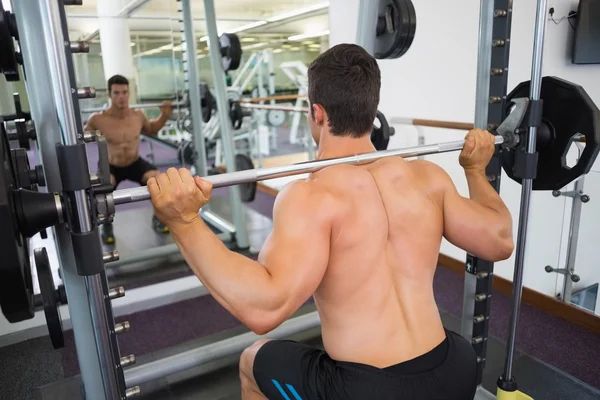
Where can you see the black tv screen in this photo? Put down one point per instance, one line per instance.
(586, 45)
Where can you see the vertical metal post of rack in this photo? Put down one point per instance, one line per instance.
(272, 142)
(54, 109)
(490, 109)
(239, 220)
(367, 25)
(526, 189)
(190, 70)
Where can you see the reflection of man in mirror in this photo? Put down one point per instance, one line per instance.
(122, 127)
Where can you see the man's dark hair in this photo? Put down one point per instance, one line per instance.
(345, 80)
(117, 80)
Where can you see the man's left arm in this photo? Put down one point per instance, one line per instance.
(151, 127)
(263, 294)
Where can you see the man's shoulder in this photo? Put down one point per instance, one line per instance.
(304, 194)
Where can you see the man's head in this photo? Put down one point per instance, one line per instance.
(343, 92)
(118, 90)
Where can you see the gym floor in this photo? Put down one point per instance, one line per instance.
(555, 359)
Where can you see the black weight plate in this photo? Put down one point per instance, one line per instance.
(231, 51)
(207, 103)
(50, 298)
(567, 111)
(186, 153)
(247, 190)
(390, 45)
(8, 61)
(380, 136)
(236, 114)
(16, 286)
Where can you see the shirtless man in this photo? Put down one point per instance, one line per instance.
(122, 126)
(364, 241)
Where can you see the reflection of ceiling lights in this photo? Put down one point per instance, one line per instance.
(275, 18)
(248, 39)
(255, 46)
(298, 12)
(251, 25)
(308, 35)
(131, 44)
(294, 48)
(286, 46)
(314, 46)
(277, 51)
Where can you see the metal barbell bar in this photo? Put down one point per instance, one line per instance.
(274, 107)
(183, 103)
(124, 196)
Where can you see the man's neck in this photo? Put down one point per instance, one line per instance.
(343, 146)
(118, 112)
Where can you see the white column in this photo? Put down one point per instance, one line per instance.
(115, 40)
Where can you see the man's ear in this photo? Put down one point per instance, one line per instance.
(319, 114)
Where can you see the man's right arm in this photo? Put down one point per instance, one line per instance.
(91, 124)
(480, 224)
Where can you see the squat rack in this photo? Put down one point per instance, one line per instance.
(49, 60)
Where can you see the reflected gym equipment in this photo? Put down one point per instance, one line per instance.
(231, 52)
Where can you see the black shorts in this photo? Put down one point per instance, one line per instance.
(133, 172)
(289, 370)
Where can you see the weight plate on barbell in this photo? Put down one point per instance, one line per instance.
(231, 51)
(247, 190)
(567, 112)
(207, 102)
(276, 118)
(380, 135)
(396, 26)
(236, 114)
(16, 286)
(49, 298)
(8, 60)
(186, 153)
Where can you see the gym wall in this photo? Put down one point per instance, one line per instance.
(436, 79)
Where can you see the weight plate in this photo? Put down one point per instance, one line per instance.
(396, 27)
(187, 124)
(276, 118)
(186, 153)
(247, 190)
(16, 286)
(567, 111)
(380, 135)
(207, 102)
(236, 114)
(8, 60)
(231, 51)
(50, 298)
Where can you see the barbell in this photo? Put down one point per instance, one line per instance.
(506, 135)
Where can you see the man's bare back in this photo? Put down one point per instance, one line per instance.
(122, 133)
(379, 280)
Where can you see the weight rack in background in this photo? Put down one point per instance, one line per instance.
(490, 110)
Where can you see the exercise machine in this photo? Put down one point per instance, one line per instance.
(77, 202)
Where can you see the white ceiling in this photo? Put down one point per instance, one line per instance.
(161, 18)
